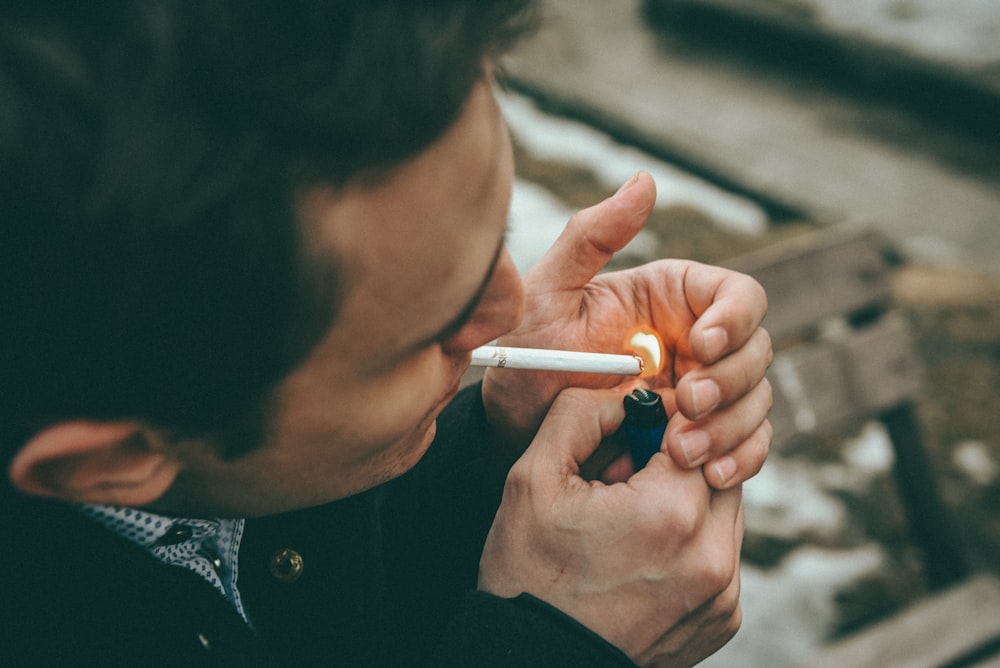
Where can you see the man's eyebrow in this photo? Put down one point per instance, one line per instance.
(465, 314)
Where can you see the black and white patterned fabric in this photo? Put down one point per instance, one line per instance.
(209, 547)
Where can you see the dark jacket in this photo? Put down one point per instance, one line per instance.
(387, 578)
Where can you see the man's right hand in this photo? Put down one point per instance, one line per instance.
(651, 565)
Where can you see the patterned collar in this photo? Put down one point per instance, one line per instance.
(209, 547)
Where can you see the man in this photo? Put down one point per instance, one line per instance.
(247, 252)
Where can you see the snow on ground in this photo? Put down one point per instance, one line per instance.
(789, 611)
(554, 138)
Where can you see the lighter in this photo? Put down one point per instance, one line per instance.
(645, 422)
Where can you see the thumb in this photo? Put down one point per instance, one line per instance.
(593, 235)
(574, 427)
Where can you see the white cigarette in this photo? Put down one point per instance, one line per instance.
(556, 360)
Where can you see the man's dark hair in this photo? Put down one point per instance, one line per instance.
(151, 265)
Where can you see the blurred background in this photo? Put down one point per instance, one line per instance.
(764, 121)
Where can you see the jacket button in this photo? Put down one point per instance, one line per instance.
(286, 565)
(176, 534)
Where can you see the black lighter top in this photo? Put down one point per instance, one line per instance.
(644, 409)
(645, 422)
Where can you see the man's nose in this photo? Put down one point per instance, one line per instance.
(499, 311)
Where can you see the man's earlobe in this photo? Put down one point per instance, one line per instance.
(120, 463)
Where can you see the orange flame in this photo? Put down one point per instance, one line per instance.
(647, 344)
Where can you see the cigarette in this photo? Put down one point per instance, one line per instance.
(556, 360)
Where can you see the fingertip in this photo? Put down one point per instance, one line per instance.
(628, 184)
(714, 341)
(639, 193)
(721, 473)
(694, 446)
(705, 397)
(742, 463)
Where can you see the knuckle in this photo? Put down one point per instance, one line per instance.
(765, 444)
(763, 436)
(672, 522)
(733, 623)
(729, 599)
(689, 525)
(761, 294)
(768, 391)
(718, 573)
(761, 342)
(758, 449)
(571, 399)
(765, 337)
(518, 479)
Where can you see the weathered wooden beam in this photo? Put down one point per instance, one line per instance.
(959, 626)
(816, 276)
(829, 384)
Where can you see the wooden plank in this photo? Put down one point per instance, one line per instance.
(828, 384)
(816, 276)
(959, 626)
(932, 528)
(812, 393)
(876, 50)
(800, 145)
(884, 365)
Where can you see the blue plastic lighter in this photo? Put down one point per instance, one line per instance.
(645, 422)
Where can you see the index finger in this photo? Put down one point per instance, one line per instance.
(730, 307)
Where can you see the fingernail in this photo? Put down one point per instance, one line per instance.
(694, 445)
(705, 395)
(635, 177)
(725, 467)
(714, 340)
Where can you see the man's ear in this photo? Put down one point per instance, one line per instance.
(120, 463)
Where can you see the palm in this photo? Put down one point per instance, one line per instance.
(708, 319)
(600, 317)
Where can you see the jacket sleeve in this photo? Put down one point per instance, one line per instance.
(489, 631)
